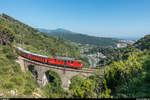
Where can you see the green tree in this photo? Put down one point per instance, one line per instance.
(85, 90)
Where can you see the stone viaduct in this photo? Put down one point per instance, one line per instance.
(40, 71)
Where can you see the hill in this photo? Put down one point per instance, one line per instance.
(34, 41)
(13, 82)
(116, 54)
(56, 31)
(126, 69)
(143, 43)
(82, 38)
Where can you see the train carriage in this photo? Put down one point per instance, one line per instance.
(57, 61)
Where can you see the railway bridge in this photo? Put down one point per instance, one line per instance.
(40, 71)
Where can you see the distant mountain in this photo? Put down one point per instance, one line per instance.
(82, 38)
(59, 30)
(43, 30)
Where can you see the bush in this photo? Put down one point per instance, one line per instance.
(9, 85)
(16, 68)
(85, 90)
(16, 80)
(106, 93)
(56, 80)
(28, 91)
(53, 88)
(11, 56)
(6, 49)
(47, 90)
(75, 82)
(120, 72)
(124, 77)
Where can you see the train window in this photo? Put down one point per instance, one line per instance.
(44, 59)
(79, 63)
(65, 61)
(41, 59)
(32, 57)
(72, 61)
(36, 57)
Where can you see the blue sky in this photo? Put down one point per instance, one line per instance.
(104, 18)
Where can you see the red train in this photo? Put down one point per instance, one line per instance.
(58, 61)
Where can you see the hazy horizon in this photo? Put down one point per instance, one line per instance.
(126, 38)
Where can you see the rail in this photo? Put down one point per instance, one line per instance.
(84, 70)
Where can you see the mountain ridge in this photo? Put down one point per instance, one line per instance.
(84, 38)
(61, 30)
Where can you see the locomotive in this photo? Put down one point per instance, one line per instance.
(57, 61)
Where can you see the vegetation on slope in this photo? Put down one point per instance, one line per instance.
(11, 76)
(13, 32)
(124, 77)
(82, 38)
(119, 80)
(128, 76)
(53, 89)
(35, 41)
(143, 43)
(117, 54)
(30, 39)
(112, 54)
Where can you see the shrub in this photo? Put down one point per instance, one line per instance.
(16, 68)
(17, 81)
(75, 82)
(85, 90)
(106, 93)
(8, 85)
(28, 91)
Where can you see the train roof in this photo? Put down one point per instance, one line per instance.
(30, 52)
(64, 58)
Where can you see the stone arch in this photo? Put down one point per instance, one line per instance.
(34, 72)
(51, 78)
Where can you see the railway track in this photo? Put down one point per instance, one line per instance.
(84, 70)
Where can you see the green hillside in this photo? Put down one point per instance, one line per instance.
(12, 79)
(126, 74)
(112, 54)
(30, 39)
(116, 54)
(143, 43)
(127, 71)
(82, 38)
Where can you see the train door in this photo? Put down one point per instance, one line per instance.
(45, 60)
